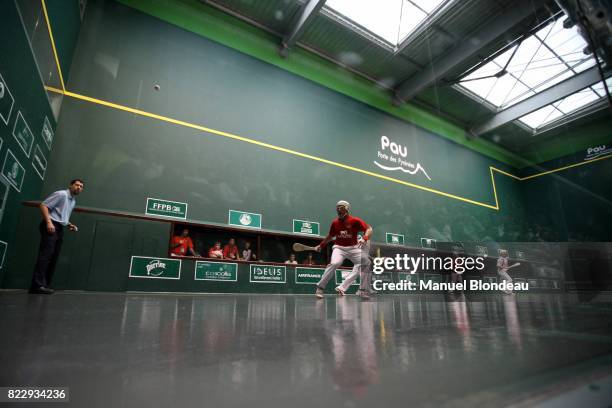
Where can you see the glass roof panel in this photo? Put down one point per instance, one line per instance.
(391, 20)
(380, 17)
(540, 117)
(577, 100)
(543, 59)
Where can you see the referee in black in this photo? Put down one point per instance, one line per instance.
(56, 210)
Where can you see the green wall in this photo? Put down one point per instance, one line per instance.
(571, 205)
(126, 158)
(19, 71)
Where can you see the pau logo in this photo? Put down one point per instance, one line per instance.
(245, 219)
(596, 151)
(394, 157)
(155, 267)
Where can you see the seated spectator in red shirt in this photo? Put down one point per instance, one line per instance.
(309, 261)
(182, 245)
(230, 251)
(247, 252)
(216, 251)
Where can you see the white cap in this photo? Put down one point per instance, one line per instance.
(345, 204)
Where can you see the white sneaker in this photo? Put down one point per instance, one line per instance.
(339, 291)
(319, 293)
(363, 295)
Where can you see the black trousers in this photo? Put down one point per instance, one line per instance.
(48, 252)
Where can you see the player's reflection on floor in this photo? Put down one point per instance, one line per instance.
(354, 347)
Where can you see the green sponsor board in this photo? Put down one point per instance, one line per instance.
(395, 239)
(39, 162)
(428, 243)
(13, 171)
(383, 277)
(244, 219)
(308, 276)
(6, 101)
(155, 268)
(267, 274)
(342, 274)
(520, 255)
(409, 277)
(489, 279)
(216, 271)
(23, 135)
(437, 278)
(47, 133)
(165, 208)
(482, 251)
(3, 247)
(306, 227)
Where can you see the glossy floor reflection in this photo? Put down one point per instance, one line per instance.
(144, 350)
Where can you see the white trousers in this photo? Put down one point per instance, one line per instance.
(505, 277)
(339, 254)
(366, 271)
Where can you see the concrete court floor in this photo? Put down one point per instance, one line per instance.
(175, 350)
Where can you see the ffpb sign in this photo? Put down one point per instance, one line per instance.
(244, 219)
(165, 208)
(306, 227)
(155, 268)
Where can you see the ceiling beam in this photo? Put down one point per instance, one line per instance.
(485, 35)
(308, 12)
(533, 103)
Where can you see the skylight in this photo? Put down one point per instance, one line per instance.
(391, 20)
(540, 61)
(572, 103)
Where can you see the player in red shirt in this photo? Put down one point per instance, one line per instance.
(182, 245)
(230, 251)
(348, 244)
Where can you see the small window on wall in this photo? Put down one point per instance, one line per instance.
(279, 249)
(204, 238)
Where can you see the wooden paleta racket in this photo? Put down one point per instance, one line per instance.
(297, 247)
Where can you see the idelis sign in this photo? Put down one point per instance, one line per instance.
(267, 274)
(342, 274)
(306, 227)
(216, 271)
(308, 276)
(244, 219)
(155, 268)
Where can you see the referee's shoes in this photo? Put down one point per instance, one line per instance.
(42, 290)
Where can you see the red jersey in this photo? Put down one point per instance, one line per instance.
(183, 243)
(346, 230)
(228, 251)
